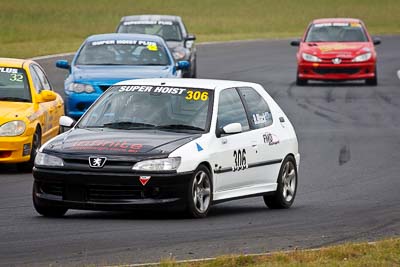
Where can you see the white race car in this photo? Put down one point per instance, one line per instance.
(186, 143)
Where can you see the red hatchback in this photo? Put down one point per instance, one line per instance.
(336, 49)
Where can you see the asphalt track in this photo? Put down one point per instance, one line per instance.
(349, 136)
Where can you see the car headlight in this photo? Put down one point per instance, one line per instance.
(362, 58)
(179, 53)
(80, 88)
(12, 128)
(46, 160)
(311, 58)
(167, 164)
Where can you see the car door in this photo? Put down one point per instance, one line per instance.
(48, 109)
(266, 135)
(233, 152)
(56, 106)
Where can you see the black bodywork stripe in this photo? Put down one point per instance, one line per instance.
(262, 163)
(252, 165)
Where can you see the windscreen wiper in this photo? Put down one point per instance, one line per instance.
(180, 127)
(129, 125)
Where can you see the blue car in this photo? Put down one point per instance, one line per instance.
(105, 59)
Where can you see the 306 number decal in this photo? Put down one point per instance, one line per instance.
(197, 95)
(239, 157)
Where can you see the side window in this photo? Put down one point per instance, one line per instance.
(259, 113)
(231, 109)
(43, 79)
(36, 80)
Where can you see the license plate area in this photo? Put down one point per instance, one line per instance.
(75, 193)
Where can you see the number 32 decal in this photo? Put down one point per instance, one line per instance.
(239, 157)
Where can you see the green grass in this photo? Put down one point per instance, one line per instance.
(383, 253)
(32, 28)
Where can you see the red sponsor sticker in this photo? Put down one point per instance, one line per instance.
(106, 145)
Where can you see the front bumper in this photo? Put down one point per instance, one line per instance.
(77, 104)
(15, 149)
(109, 191)
(329, 71)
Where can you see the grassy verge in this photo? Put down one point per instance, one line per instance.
(33, 28)
(382, 253)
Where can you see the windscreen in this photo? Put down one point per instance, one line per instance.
(123, 52)
(14, 85)
(168, 30)
(151, 107)
(336, 32)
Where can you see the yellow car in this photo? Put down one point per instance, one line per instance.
(29, 111)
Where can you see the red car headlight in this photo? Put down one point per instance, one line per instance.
(310, 58)
(363, 57)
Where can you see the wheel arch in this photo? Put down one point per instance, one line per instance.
(290, 155)
(208, 166)
(39, 127)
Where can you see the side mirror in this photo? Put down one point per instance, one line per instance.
(376, 40)
(47, 96)
(230, 128)
(63, 64)
(183, 65)
(190, 37)
(66, 121)
(295, 43)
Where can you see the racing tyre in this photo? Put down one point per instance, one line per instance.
(372, 81)
(194, 70)
(45, 210)
(36, 142)
(284, 195)
(199, 193)
(300, 82)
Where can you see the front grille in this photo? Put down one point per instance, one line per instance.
(109, 163)
(106, 193)
(329, 61)
(323, 71)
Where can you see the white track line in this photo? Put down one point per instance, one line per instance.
(198, 44)
(398, 74)
(210, 259)
(53, 56)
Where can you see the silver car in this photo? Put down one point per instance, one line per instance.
(172, 29)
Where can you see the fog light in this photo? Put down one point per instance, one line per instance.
(27, 150)
(5, 154)
(81, 106)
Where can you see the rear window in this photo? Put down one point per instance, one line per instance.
(168, 30)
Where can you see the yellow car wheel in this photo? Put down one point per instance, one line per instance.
(36, 142)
